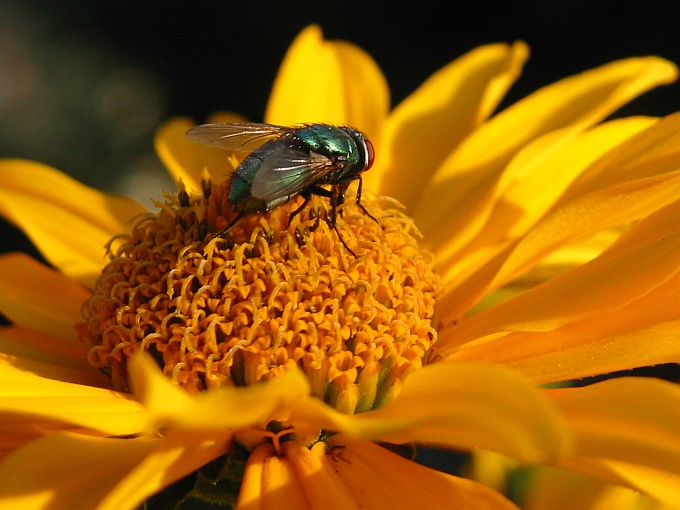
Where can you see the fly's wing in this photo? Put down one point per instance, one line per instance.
(287, 171)
(243, 137)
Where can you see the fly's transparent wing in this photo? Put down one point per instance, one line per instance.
(288, 171)
(243, 137)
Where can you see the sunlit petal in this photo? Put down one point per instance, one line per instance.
(270, 483)
(662, 485)
(649, 255)
(348, 87)
(378, 478)
(653, 151)
(171, 459)
(533, 181)
(69, 471)
(227, 407)
(466, 406)
(68, 222)
(40, 298)
(29, 399)
(188, 160)
(48, 356)
(469, 177)
(558, 489)
(629, 419)
(426, 126)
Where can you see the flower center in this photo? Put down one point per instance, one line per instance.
(268, 295)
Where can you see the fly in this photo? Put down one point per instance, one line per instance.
(284, 162)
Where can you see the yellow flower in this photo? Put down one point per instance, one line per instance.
(553, 233)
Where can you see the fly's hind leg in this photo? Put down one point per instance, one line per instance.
(307, 195)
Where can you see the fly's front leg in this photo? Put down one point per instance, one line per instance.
(359, 191)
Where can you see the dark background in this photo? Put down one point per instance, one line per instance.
(84, 84)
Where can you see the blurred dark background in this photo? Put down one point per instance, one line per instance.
(84, 84)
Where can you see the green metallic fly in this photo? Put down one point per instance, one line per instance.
(284, 162)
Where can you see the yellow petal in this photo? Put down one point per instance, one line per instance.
(585, 349)
(39, 298)
(319, 483)
(661, 485)
(644, 258)
(651, 152)
(26, 343)
(365, 90)
(346, 86)
(269, 483)
(49, 357)
(218, 408)
(468, 177)
(69, 471)
(597, 211)
(628, 419)
(462, 406)
(173, 458)
(188, 160)
(378, 478)
(68, 222)
(29, 399)
(559, 489)
(425, 127)
(532, 183)
(613, 206)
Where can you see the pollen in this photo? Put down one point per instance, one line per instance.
(352, 308)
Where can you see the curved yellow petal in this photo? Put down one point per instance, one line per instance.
(346, 86)
(269, 483)
(663, 486)
(560, 489)
(68, 222)
(462, 406)
(426, 126)
(322, 489)
(533, 182)
(626, 431)
(647, 256)
(365, 90)
(653, 151)
(69, 471)
(347, 473)
(469, 176)
(188, 160)
(586, 348)
(613, 206)
(378, 478)
(627, 419)
(218, 408)
(48, 356)
(32, 400)
(40, 299)
(177, 455)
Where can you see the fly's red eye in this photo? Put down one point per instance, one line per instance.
(370, 154)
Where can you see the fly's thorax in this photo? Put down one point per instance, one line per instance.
(332, 142)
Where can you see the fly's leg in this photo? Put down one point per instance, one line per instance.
(223, 233)
(359, 191)
(337, 198)
(307, 194)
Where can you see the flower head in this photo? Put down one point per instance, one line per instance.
(289, 346)
(276, 295)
